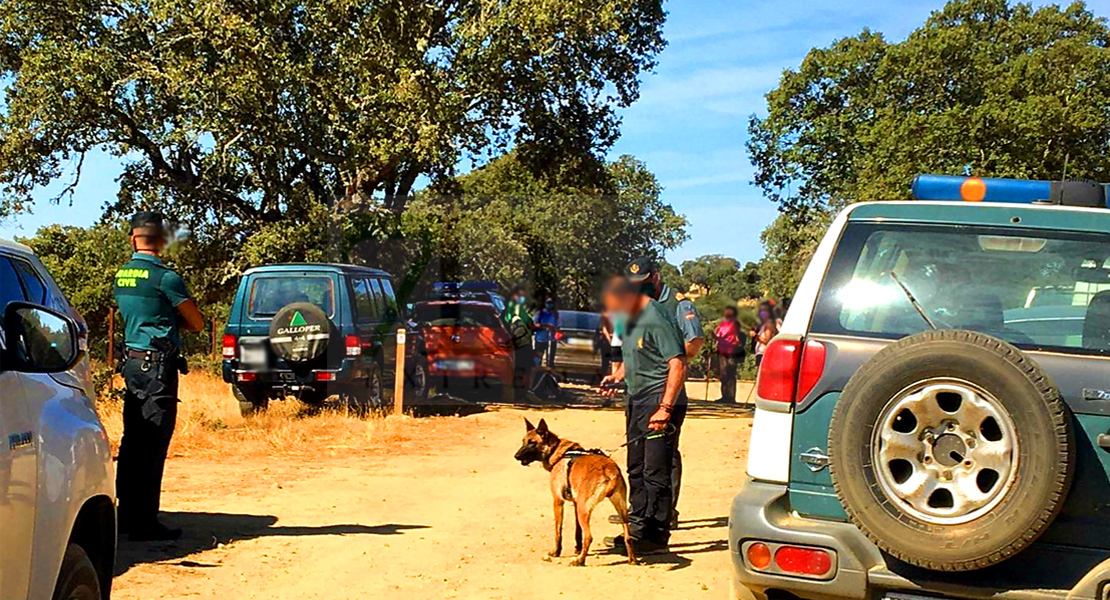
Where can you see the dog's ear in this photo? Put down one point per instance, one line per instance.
(528, 426)
(542, 427)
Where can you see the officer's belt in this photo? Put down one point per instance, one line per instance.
(147, 355)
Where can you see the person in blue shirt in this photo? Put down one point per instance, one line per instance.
(155, 306)
(547, 323)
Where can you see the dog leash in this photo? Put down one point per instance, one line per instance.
(650, 435)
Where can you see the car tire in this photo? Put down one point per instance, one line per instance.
(251, 401)
(374, 394)
(77, 579)
(417, 380)
(951, 450)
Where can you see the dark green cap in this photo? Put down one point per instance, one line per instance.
(148, 223)
(640, 269)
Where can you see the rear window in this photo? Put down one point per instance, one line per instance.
(456, 315)
(269, 294)
(1032, 288)
(579, 320)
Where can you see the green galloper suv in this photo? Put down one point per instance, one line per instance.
(319, 330)
(933, 421)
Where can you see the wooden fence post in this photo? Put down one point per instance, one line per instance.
(215, 340)
(399, 375)
(111, 346)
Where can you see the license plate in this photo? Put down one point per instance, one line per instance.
(252, 355)
(455, 365)
(580, 343)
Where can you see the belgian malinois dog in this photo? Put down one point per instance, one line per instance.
(583, 478)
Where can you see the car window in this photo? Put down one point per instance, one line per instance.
(364, 300)
(456, 315)
(10, 288)
(388, 297)
(32, 285)
(570, 319)
(269, 294)
(379, 302)
(1035, 289)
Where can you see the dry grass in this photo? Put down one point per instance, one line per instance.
(209, 425)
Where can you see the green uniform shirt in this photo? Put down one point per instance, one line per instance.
(686, 317)
(649, 344)
(148, 294)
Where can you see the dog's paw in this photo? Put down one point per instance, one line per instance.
(546, 558)
(554, 554)
(578, 562)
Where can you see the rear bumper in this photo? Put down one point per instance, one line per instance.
(761, 511)
(347, 370)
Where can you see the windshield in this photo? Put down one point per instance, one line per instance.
(1034, 289)
(270, 294)
(456, 315)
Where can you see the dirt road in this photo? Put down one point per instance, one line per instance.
(446, 515)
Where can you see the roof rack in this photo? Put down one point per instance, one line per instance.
(1009, 191)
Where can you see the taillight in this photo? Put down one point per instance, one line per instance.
(325, 376)
(759, 556)
(248, 377)
(789, 372)
(354, 345)
(230, 346)
(811, 562)
(558, 335)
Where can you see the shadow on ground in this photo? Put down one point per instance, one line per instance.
(206, 531)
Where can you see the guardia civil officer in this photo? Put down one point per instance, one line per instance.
(645, 272)
(654, 370)
(155, 307)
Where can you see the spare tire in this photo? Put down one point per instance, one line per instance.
(951, 450)
(300, 332)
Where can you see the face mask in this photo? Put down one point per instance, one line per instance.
(648, 289)
(765, 316)
(619, 319)
(550, 305)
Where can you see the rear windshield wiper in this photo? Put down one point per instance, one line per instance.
(913, 301)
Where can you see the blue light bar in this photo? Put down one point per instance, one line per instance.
(980, 189)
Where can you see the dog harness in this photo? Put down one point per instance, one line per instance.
(570, 456)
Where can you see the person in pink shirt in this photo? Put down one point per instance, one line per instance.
(731, 342)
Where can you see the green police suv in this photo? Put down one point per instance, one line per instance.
(318, 330)
(933, 421)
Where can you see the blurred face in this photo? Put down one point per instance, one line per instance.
(155, 244)
(730, 314)
(617, 301)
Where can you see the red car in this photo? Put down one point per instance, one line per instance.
(465, 339)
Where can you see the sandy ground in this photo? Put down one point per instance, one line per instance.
(446, 515)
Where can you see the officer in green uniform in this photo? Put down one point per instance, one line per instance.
(155, 306)
(521, 325)
(654, 370)
(644, 272)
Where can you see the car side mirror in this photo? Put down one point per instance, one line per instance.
(39, 340)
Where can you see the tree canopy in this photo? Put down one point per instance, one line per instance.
(234, 114)
(983, 88)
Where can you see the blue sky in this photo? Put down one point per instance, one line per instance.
(691, 121)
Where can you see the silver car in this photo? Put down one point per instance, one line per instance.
(57, 498)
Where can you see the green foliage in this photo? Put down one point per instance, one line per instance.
(718, 274)
(82, 261)
(790, 241)
(562, 234)
(983, 88)
(232, 116)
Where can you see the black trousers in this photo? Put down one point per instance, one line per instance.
(651, 465)
(149, 417)
(546, 352)
(524, 362)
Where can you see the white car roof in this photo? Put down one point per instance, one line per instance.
(15, 246)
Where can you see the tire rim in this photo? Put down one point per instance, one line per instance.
(945, 451)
